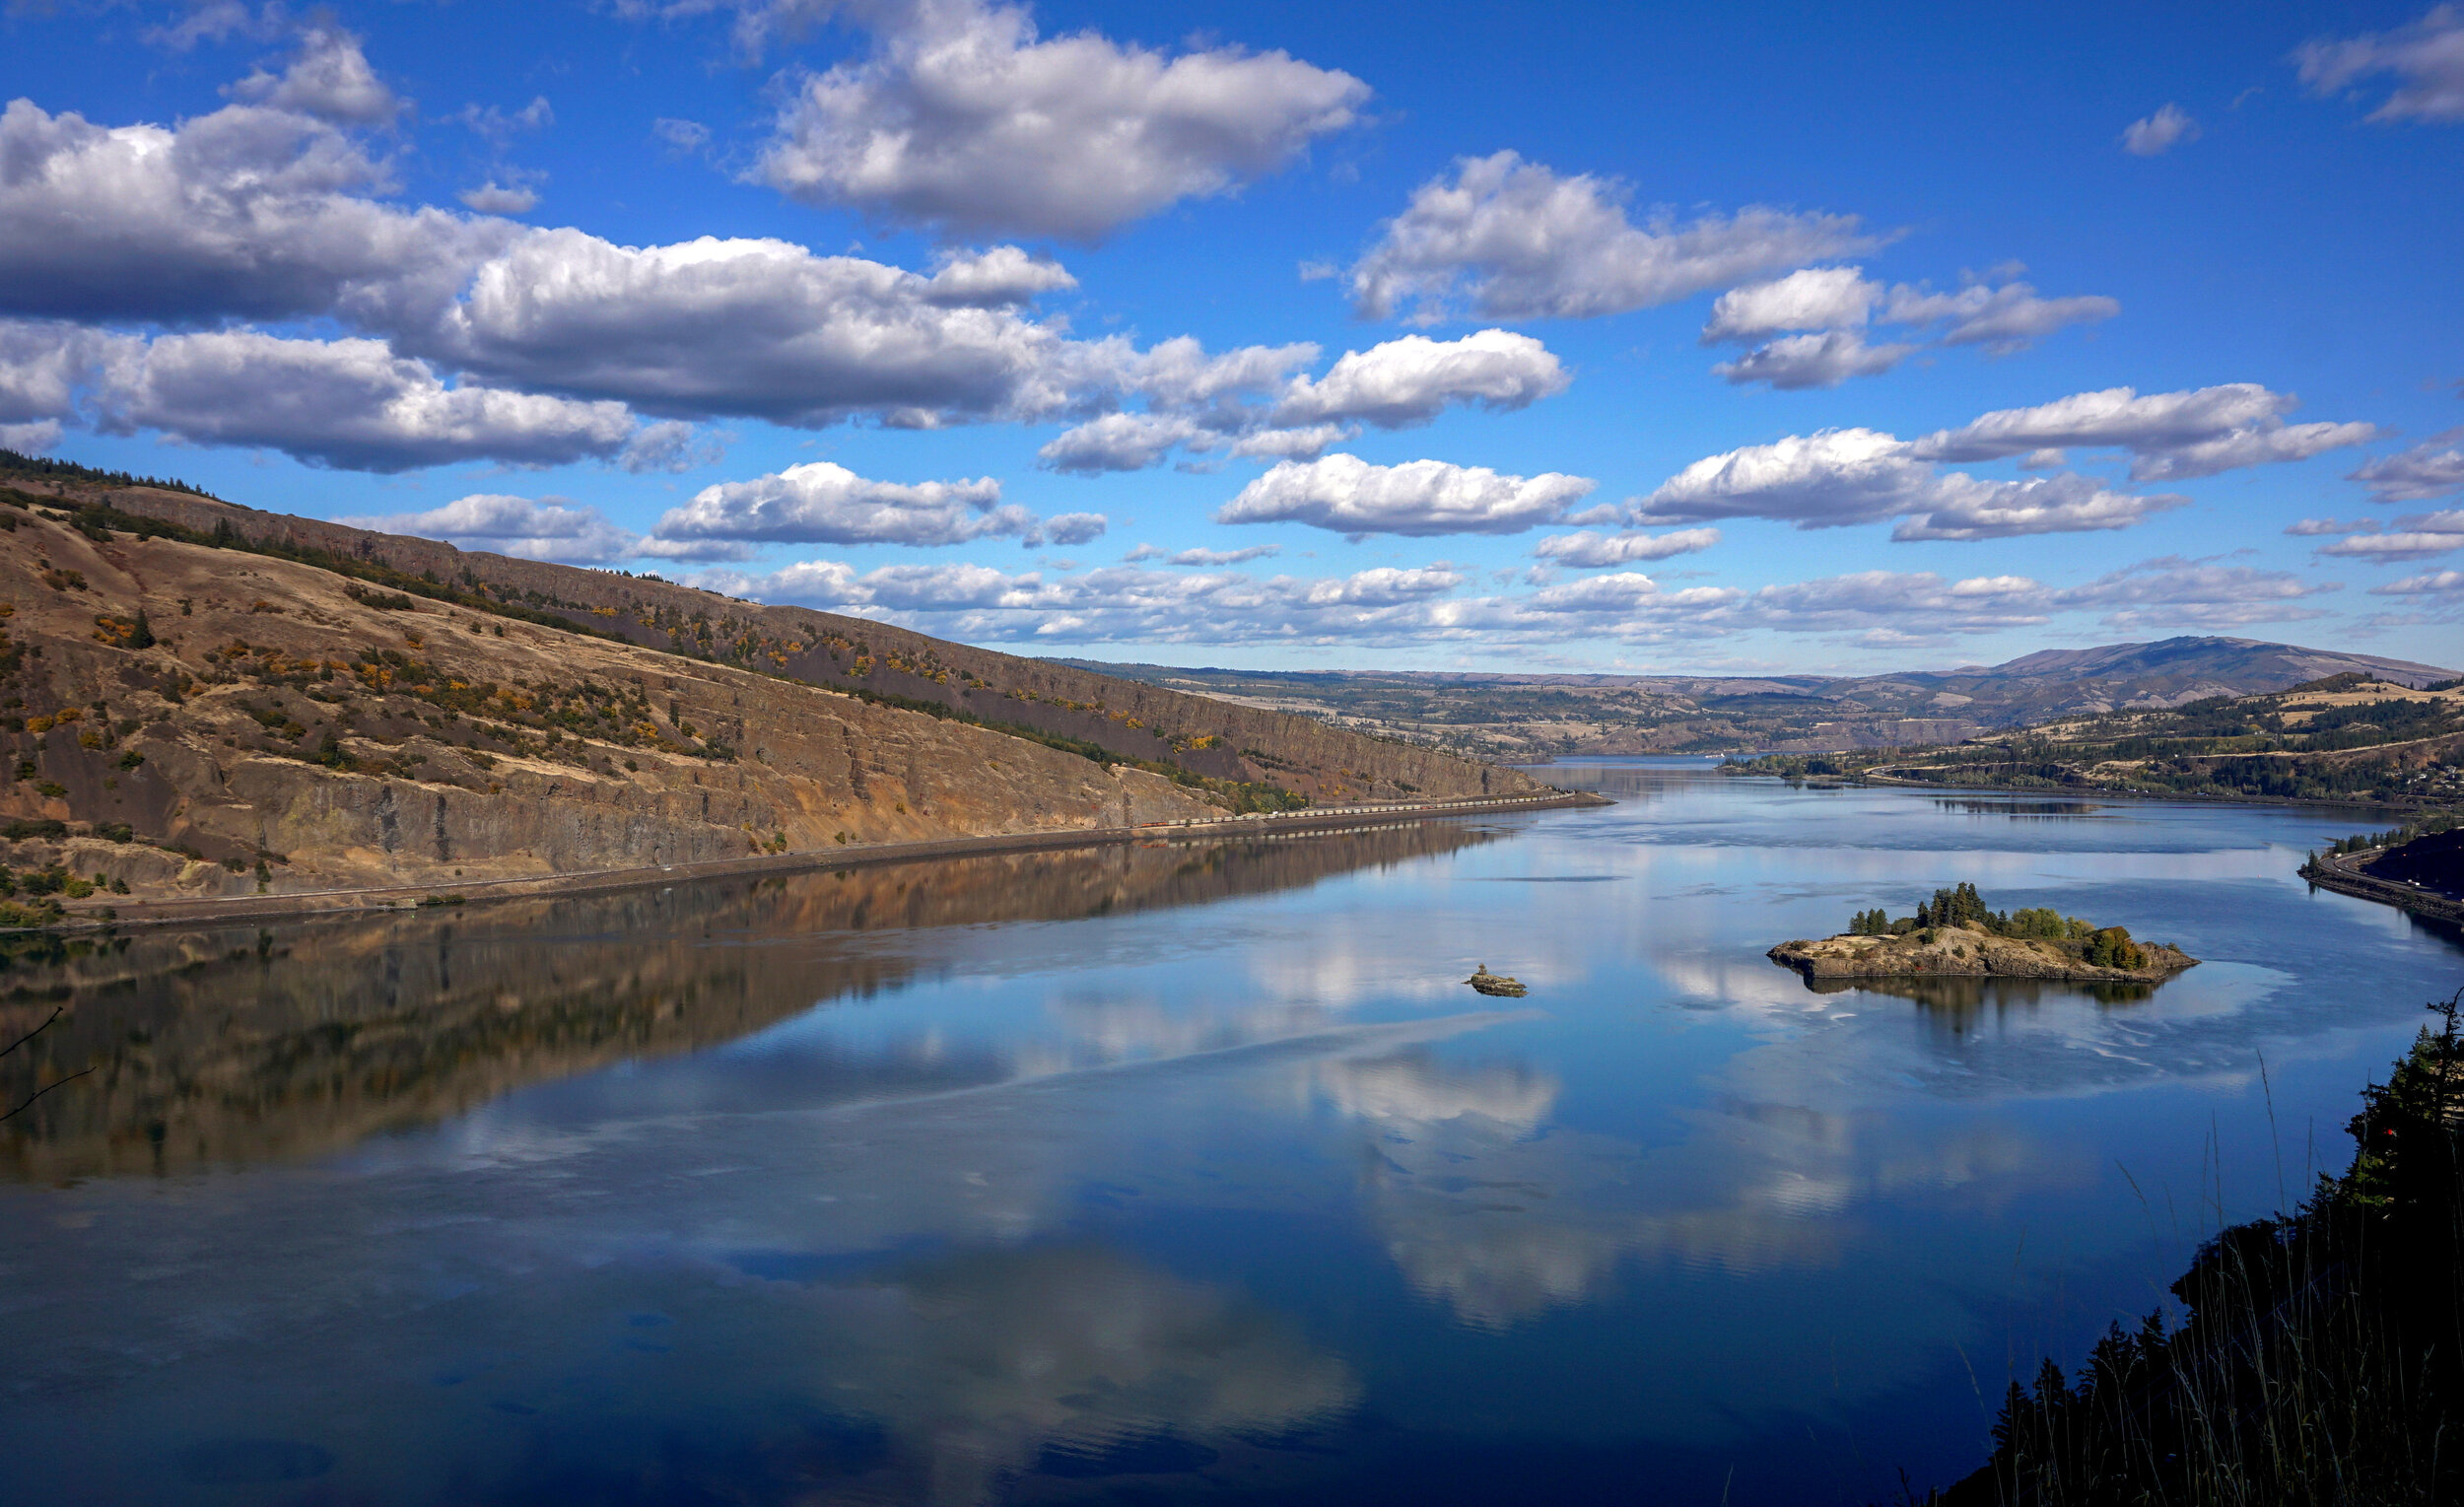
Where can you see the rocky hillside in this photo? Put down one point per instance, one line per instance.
(202, 699)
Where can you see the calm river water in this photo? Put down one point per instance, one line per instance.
(1163, 1174)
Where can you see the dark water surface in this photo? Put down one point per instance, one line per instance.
(1174, 1173)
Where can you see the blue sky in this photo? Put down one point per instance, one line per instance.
(1703, 338)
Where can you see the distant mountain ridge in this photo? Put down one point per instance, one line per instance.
(1546, 713)
(2244, 663)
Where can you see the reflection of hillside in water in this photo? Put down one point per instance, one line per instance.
(222, 1046)
(1958, 999)
(1971, 805)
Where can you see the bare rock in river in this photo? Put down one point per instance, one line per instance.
(1956, 950)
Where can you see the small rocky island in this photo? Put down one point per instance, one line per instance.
(1956, 933)
(1503, 986)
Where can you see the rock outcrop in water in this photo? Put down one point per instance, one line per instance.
(201, 700)
(1957, 934)
(1502, 986)
(1964, 951)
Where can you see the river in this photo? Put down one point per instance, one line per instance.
(1177, 1172)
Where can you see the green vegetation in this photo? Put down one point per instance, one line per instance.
(2394, 836)
(2322, 1362)
(1961, 905)
(385, 601)
(1792, 766)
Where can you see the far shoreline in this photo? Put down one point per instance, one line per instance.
(225, 910)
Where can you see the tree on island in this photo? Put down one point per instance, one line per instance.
(1960, 905)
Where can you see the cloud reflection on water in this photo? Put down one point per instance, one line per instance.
(1152, 1201)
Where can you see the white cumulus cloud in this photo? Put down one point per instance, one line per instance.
(1129, 603)
(245, 213)
(2002, 318)
(2173, 593)
(2432, 468)
(1796, 362)
(546, 528)
(1823, 480)
(1810, 299)
(2408, 544)
(961, 117)
(351, 403)
(494, 198)
(43, 364)
(1223, 557)
(1585, 550)
(1964, 507)
(1000, 277)
(2156, 134)
(764, 329)
(1511, 240)
(1417, 498)
(327, 76)
(1067, 528)
(1917, 603)
(1412, 380)
(1202, 402)
(824, 502)
(2170, 435)
(2426, 57)
(2415, 536)
(1833, 306)
(1838, 477)
(2428, 584)
(1306, 442)
(1119, 442)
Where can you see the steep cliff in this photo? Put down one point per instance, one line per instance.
(201, 699)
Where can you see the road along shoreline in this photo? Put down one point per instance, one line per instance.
(2336, 871)
(240, 909)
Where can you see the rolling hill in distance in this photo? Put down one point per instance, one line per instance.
(1525, 717)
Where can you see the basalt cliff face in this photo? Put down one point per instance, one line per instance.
(197, 699)
(1963, 953)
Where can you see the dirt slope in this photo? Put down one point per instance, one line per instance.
(183, 717)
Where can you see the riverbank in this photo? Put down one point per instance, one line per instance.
(228, 909)
(2342, 873)
(1880, 777)
(2318, 1363)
